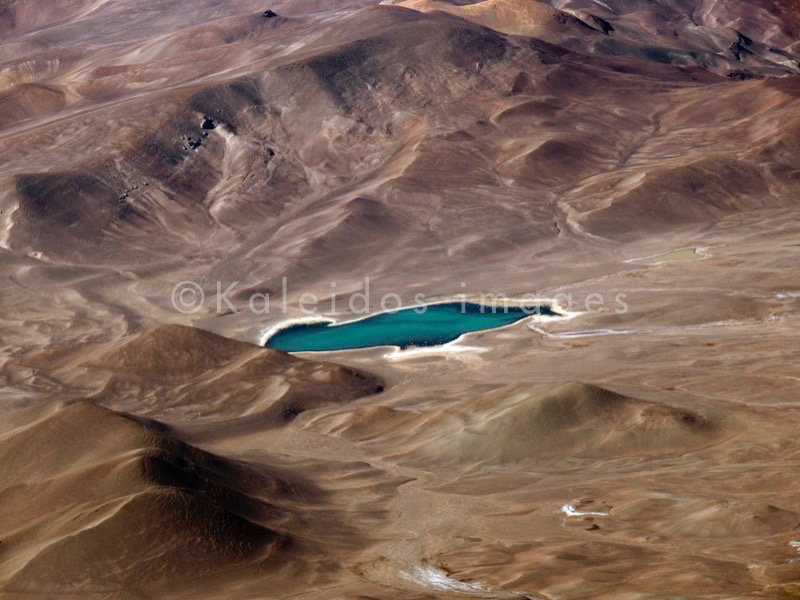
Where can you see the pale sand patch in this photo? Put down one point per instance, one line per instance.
(431, 578)
(270, 331)
(693, 253)
(435, 579)
(6, 223)
(654, 330)
(453, 348)
(585, 333)
(570, 511)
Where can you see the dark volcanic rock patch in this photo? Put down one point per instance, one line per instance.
(69, 213)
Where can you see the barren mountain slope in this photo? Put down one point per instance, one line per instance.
(641, 151)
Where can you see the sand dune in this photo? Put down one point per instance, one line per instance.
(173, 370)
(136, 508)
(576, 420)
(523, 423)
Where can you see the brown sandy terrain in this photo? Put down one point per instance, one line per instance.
(562, 147)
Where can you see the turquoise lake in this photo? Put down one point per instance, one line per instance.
(439, 324)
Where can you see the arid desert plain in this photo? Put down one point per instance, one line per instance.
(633, 164)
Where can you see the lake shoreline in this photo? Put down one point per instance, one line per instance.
(523, 309)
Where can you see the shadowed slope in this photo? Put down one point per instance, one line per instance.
(575, 420)
(95, 500)
(547, 424)
(173, 369)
